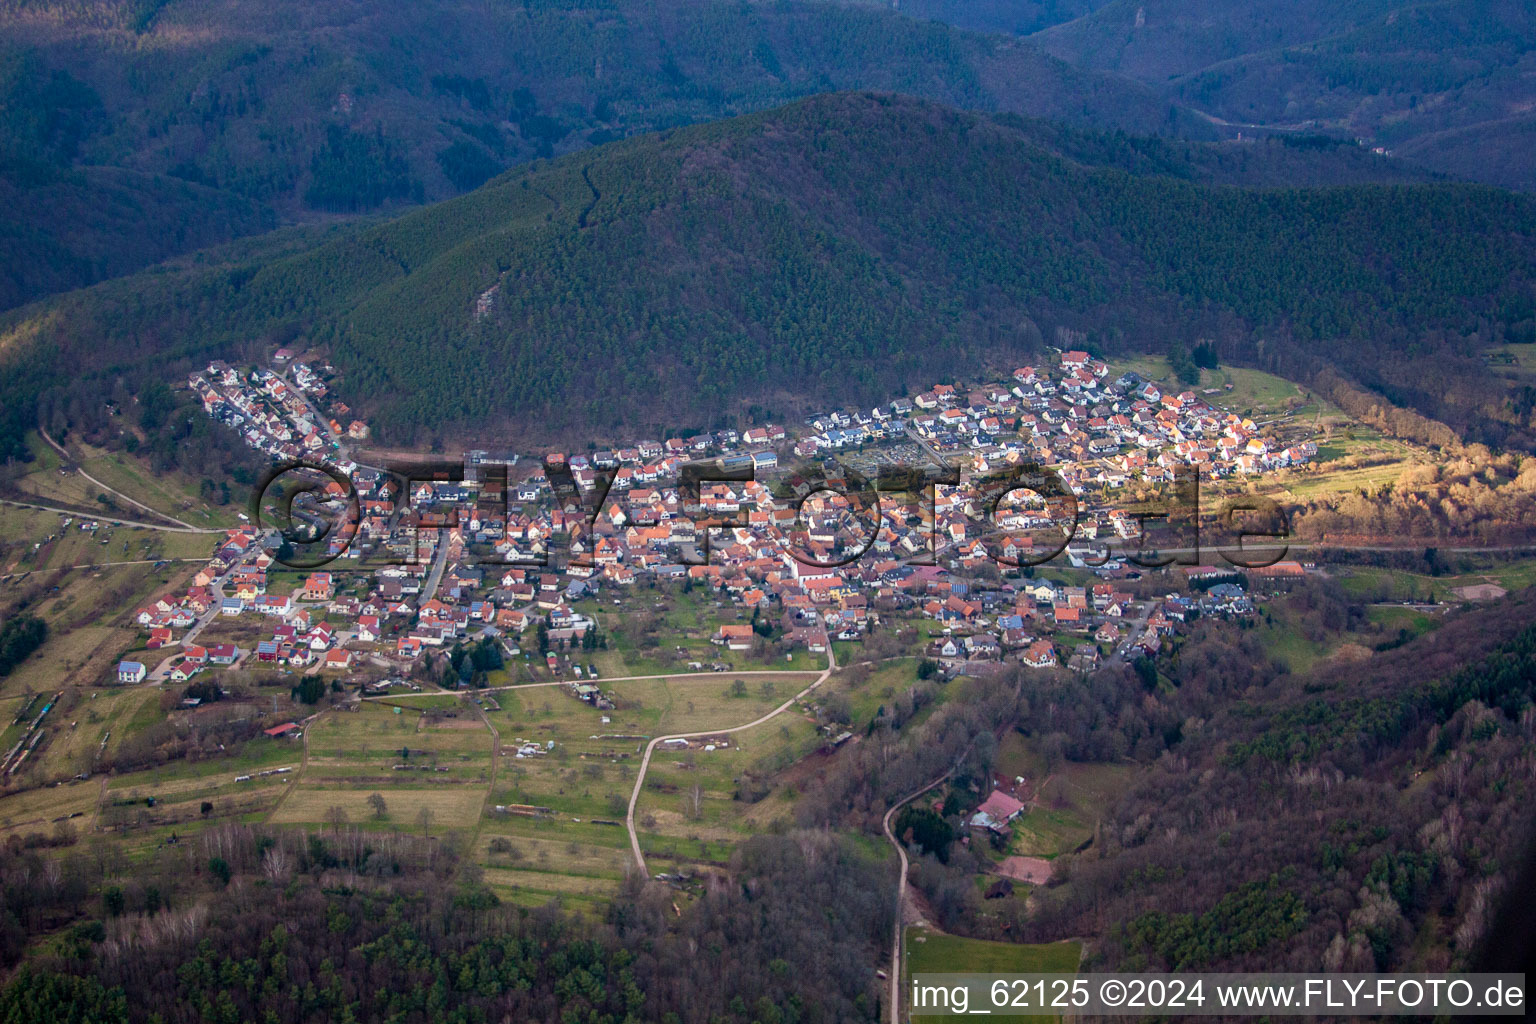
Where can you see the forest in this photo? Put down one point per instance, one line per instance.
(844, 248)
(1334, 819)
(245, 924)
(136, 131)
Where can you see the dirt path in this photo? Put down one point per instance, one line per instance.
(110, 521)
(293, 783)
(96, 565)
(112, 490)
(490, 790)
(650, 748)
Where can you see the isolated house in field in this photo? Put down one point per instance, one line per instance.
(996, 812)
(131, 672)
(286, 730)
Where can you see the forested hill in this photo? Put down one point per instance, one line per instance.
(835, 250)
(1446, 83)
(314, 108)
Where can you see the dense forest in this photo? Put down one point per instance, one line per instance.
(1365, 815)
(1444, 83)
(67, 222)
(244, 924)
(839, 249)
(136, 130)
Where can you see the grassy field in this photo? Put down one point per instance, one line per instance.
(935, 952)
(1252, 392)
(37, 810)
(931, 952)
(694, 808)
(1285, 643)
(450, 807)
(36, 540)
(1400, 585)
(352, 754)
(174, 493)
(1071, 799)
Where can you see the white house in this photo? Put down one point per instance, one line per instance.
(131, 672)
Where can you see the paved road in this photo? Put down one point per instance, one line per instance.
(216, 590)
(901, 894)
(650, 748)
(1136, 629)
(439, 563)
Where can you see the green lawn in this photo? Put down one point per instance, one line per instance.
(930, 952)
(934, 953)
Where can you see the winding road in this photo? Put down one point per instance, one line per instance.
(901, 893)
(650, 748)
(114, 491)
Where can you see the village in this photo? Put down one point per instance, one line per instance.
(501, 553)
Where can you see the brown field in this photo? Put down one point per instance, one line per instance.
(451, 807)
(546, 882)
(33, 810)
(82, 657)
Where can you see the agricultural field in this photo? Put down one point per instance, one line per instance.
(930, 952)
(445, 756)
(87, 612)
(36, 540)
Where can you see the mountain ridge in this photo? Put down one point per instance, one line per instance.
(312, 110)
(838, 249)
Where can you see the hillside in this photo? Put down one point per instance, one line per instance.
(1161, 40)
(1445, 83)
(835, 250)
(321, 108)
(1010, 17)
(1353, 817)
(120, 221)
